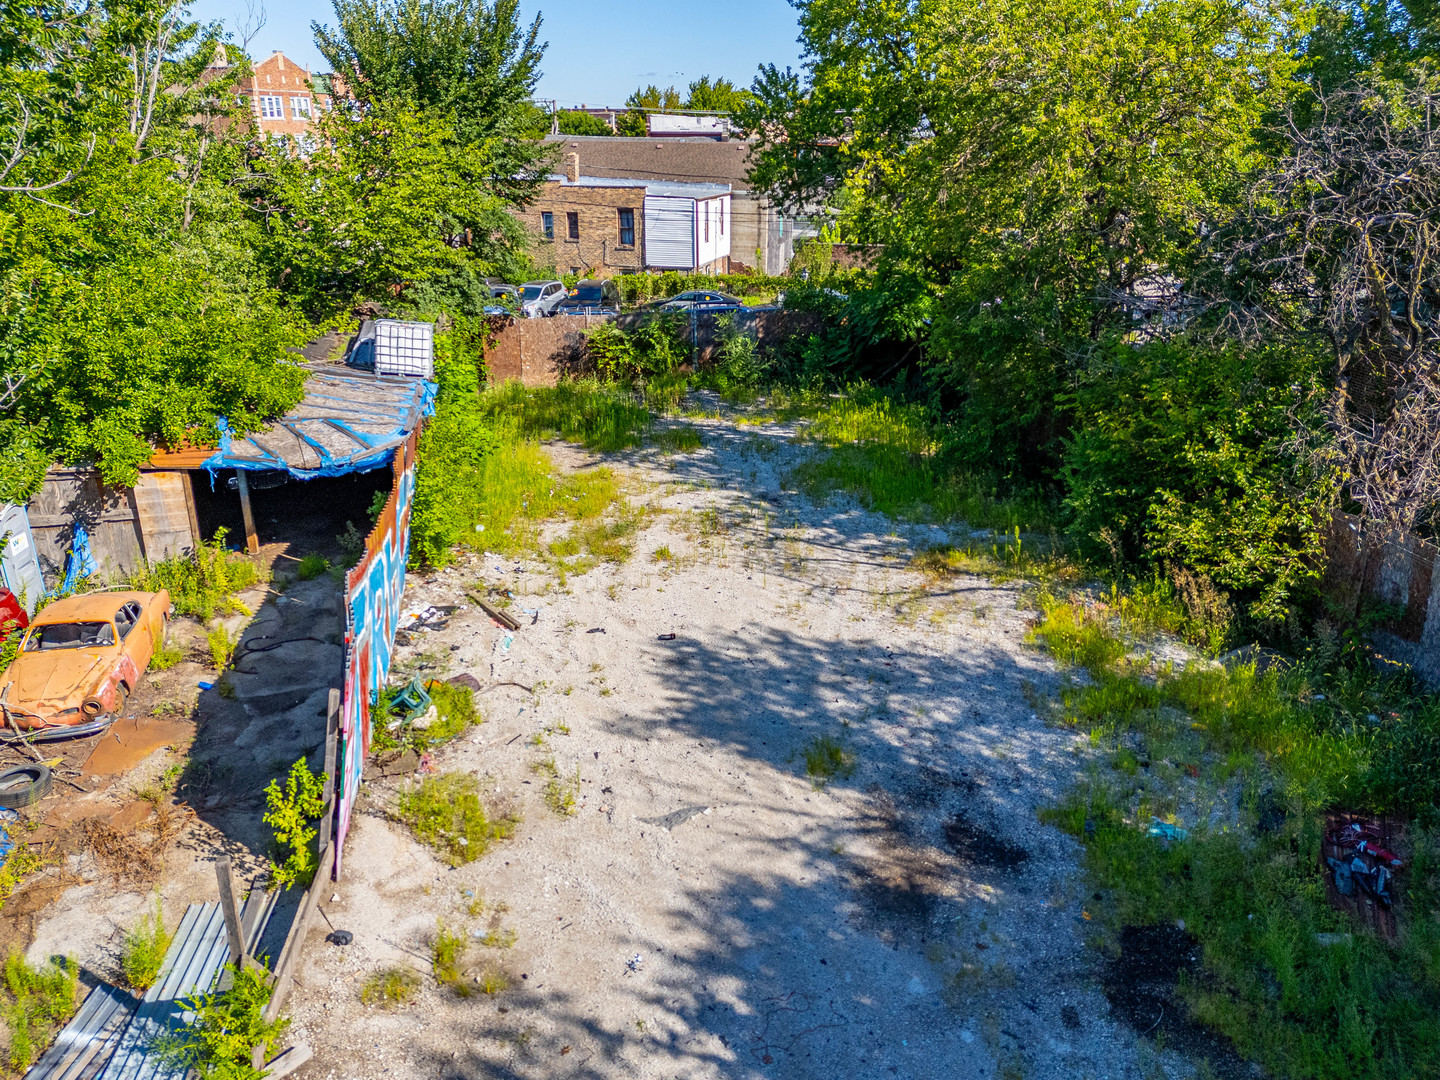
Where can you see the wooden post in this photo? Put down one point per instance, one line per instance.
(252, 543)
(231, 910)
(188, 486)
(332, 738)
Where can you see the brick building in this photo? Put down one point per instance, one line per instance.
(285, 98)
(762, 235)
(614, 225)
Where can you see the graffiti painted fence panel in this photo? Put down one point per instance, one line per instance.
(373, 593)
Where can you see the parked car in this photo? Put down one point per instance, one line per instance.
(538, 298)
(591, 297)
(700, 300)
(504, 299)
(78, 662)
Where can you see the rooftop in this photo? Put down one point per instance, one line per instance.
(668, 159)
(652, 187)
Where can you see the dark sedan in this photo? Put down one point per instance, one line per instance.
(591, 297)
(700, 300)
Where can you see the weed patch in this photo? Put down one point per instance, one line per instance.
(447, 952)
(562, 792)
(202, 584)
(599, 415)
(311, 566)
(143, 951)
(446, 813)
(166, 657)
(1247, 763)
(679, 440)
(37, 1002)
(221, 646)
(827, 758)
(390, 988)
(224, 1031)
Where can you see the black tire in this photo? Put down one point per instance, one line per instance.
(24, 786)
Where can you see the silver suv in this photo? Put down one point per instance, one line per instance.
(538, 298)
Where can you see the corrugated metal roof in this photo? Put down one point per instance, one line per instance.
(111, 1036)
(348, 421)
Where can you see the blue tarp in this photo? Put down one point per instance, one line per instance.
(348, 422)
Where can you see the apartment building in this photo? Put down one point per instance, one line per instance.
(285, 98)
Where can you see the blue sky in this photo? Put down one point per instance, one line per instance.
(599, 52)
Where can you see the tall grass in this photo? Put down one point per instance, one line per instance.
(36, 1001)
(600, 415)
(1207, 747)
(888, 454)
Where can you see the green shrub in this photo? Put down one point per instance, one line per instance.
(203, 583)
(225, 1030)
(1178, 455)
(446, 813)
(311, 566)
(656, 347)
(143, 952)
(289, 811)
(38, 1001)
(165, 657)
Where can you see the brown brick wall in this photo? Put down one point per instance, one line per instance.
(598, 251)
(538, 351)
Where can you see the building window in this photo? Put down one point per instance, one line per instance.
(272, 108)
(627, 228)
(721, 204)
(300, 107)
(707, 222)
(547, 224)
(572, 225)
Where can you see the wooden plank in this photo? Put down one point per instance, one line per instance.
(295, 940)
(223, 875)
(252, 543)
(332, 746)
(164, 514)
(189, 487)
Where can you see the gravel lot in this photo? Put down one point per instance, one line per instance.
(707, 911)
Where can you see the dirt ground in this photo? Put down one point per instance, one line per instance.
(708, 911)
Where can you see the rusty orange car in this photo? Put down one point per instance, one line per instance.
(78, 663)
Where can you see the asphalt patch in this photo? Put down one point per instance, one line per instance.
(1140, 986)
(979, 847)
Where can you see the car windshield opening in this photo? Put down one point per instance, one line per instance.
(70, 635)
(532, 292)
(587, 292)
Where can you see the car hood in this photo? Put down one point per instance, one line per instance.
(49, 680)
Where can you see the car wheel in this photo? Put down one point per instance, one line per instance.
(24, 786)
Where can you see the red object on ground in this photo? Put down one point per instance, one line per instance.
(11, 612)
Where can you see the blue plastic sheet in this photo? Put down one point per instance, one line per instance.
(81, 563)
(368, 417)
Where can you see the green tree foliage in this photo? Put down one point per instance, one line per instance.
(467, 63)
(1179, 456)
(575, 122)
(378, 206)
(1035, 163)
(132, 311)
(289, 813)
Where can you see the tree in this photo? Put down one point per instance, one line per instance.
(131, 306)
(718, 95)
(377, 207)
(1039, 164)
(575, 122)
(1338, 246)
(468, 63)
